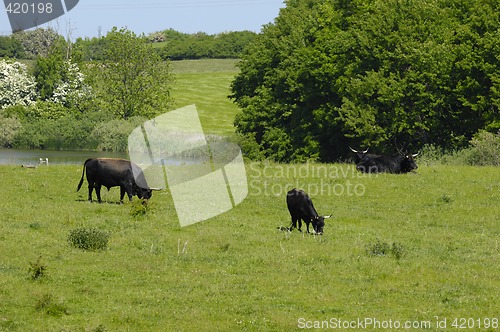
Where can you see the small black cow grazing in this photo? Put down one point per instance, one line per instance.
(111, 172)
(376, 163)
(301, 208)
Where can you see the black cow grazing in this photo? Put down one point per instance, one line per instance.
(376, 163)
(111, 172)
(301, 208)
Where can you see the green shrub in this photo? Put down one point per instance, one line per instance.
(430, 155)
(113, 135)
(138, 208)
(88, 239)
(9, 128)
(485, 150)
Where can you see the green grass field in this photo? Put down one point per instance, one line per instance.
(205, 83)
(419, 249)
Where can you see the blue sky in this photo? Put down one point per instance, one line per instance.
(190, 16)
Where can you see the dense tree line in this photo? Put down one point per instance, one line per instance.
(174, 45)
(179, 46)
(384, 74)
(170, 45)
(63, 102)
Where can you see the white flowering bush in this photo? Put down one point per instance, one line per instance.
(72, 90)
(17, 86)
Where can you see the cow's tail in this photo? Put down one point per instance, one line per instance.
(83, 172)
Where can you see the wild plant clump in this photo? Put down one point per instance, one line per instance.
(379, 248)
(88, 239)
(46, 304)
(37, 270)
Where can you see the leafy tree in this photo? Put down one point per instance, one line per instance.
(178, 46)
(72, 90)
(132, 80)
(39, 42)
(329, 74)
(92, 49)
(17, 87)
(231, 44)
(10, 47)
(49, 71)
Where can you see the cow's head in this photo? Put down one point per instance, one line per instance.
(408, 163)
(360, 154)
(143, 193)
(318, 223)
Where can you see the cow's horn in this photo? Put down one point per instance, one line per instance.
(415, 155)
(363, 152)
(156, 189)
(326, 217)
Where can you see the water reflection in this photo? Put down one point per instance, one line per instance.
(32, 157)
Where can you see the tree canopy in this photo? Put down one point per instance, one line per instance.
(132, 80)
(380, 73)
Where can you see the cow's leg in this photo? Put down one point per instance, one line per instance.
(91, 188)
(98, 192)
(307, 224)
(122, 193)
(300, 224)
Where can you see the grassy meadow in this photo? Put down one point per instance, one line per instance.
(205, 83)
(419, 248)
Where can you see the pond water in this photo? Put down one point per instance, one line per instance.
(32, 157)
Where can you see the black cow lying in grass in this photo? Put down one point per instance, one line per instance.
(377, 163)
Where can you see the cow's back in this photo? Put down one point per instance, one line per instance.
(108, 171)
(297, 201)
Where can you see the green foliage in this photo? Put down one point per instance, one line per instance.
(88, 239)
(48, 73)
(249, 147)
(333, 74)
(113, 135)
(90, 49)
(45, 110)
(72, 90)
(9, 128)
(179, 46)
(139, 208)
(61, 81)
(132, 80)
(11, 48)
(65, 132)
(485, 150)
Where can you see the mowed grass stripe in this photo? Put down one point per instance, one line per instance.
(205, 83)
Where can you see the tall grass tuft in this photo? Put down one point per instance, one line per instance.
(88, 239)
